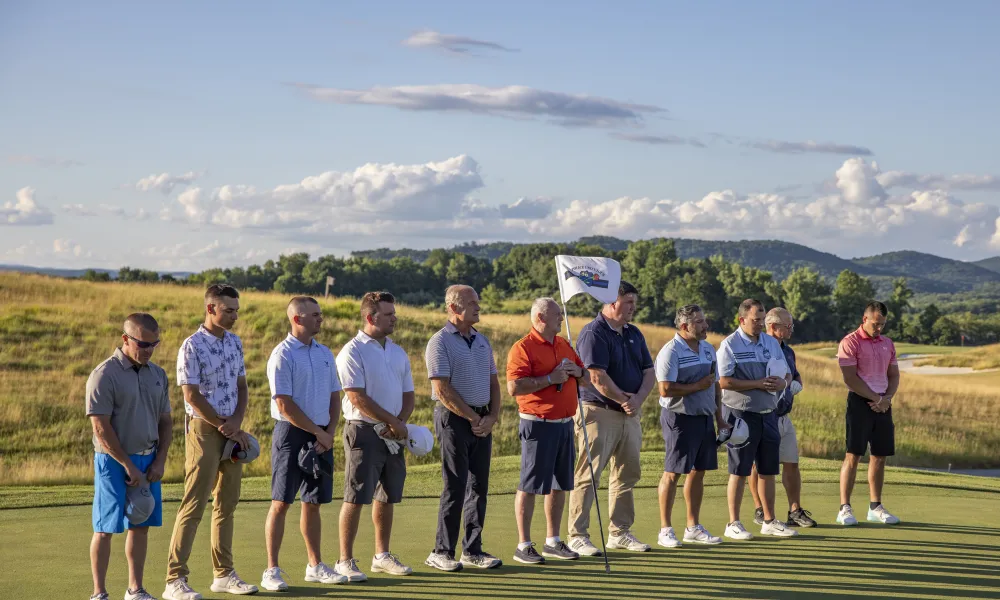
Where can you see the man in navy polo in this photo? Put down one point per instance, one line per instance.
(750, 393)
(620, 369)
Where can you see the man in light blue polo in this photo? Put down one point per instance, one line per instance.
(691, 402)
(305, 404)
(750, 393)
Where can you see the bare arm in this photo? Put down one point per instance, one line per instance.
(334, 412)
(369, 407)
(450, 399)
(294, 415)
(242, 400)
(601, 382)
(528, 385)
(858, 385)
(200, 405)
(648, 383)
(893, 375)
(112, 445)
(676, 390)
(719, 418)
(485, 425)
(409, 400)
(165, 432)
(740, 385)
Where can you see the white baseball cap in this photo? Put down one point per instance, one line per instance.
(740, 435)
(420, 440)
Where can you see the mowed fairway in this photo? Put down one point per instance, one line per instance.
(945, 547)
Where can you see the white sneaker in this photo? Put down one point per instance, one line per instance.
(627, 541)
(583, 546)
(668, 539)
(179, 589)
(322, 573)
(442, 562)
(737, 531)
(846, 516)
(139, 594)
(777, 529)
(349, 569)
(699, 535)
(273, 581)
(881, 515)
(390, 564)
(232, 584)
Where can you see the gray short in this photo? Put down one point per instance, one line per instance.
(371, 471)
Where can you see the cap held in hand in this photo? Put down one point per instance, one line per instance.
(235, 452)
(140, 502)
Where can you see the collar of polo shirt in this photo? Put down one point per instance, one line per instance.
(297, 343)
(864, 335)
(364, 338)
(746, 338)
(124, 361)
(450, 328)
(603, 320)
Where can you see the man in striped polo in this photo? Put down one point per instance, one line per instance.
(463, 374)
(868, 363)
(749, 392)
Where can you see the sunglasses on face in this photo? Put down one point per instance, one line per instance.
(142, 344)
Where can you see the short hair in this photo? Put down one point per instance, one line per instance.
(453, 295)
(747, 305)
(298, 303)
(777, 315)
(685, 314)
(625, 288)
(369, 302)
(217, 291)
(540, 305)
(140, 320)
(876, 306)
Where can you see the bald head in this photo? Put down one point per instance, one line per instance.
(136, 323)
(141, 335)
(305, 316)
(779, 324)
(463, 304)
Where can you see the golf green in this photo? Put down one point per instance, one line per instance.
(946, 546)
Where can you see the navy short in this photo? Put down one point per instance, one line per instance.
(548, 455)
(690, 442)
(762, 447)
(867, 428)
(287, 478)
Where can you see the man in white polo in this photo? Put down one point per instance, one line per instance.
(305, 404)
(378, 387)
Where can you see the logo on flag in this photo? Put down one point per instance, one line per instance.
(589, 278)
(595, 276)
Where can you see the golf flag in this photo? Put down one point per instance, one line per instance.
(594, 275)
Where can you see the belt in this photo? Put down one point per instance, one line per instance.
(764, 412)
(147, 451)
(481, 410)
(528, 417)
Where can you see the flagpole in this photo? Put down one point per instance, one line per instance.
(583, 425)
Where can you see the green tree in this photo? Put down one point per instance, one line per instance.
(928, 317)
(92, 275)
(898, 304)
(650, 265)
(808, 299)
(740, 283)
(851, 294)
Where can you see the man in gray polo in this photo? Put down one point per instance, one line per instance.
(129, 409)
(463, 374)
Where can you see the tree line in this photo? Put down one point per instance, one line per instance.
(822, 310)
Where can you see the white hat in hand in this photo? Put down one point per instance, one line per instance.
(796, 387)
(420, 439)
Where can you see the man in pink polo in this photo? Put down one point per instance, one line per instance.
(868, 362)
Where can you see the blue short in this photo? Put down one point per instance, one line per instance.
(547, 456)
(109, 494)
(689, 441)
(762, 447)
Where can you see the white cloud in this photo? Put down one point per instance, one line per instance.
(47, 162)
(25, 211)
(108, 210)
(514, 101)
(808, 147)
(217, 253)
(962, 238)
(67, 247)
(458, 44)
(164, 182)
(963, 181)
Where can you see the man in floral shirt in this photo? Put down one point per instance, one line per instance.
(210, 370)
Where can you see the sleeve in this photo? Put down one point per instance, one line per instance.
(188, 367)
(666, 364)
(239, 350)
(847, 352)
(892, 353)
(518, 365)
(647, 358)
(436, 358)
(335, 385)
(794, 365)
(407, 378)
(593, 351)
(727, 362)
(100, 394)
(165, 398)
(715, 362)
(350, 369)
(279, 374)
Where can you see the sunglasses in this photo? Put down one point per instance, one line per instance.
(142, 344)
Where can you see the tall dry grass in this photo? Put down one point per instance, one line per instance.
(53, 332)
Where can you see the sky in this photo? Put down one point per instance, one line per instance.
(190, 135)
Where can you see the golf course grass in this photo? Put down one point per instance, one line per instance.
(946, 546)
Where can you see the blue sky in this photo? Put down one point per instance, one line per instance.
(188, 135)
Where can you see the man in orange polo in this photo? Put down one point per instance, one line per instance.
(543, 372)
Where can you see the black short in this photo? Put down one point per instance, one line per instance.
(371, 471)
(762, 447)
(866, 427)
(287, 478)
(547, 456)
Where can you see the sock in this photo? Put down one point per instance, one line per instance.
(874, 505)
(842, 506)
(552, 541)
(691, 528)
(769, 521)
(663, 530)
(524, 545)
(381, 555)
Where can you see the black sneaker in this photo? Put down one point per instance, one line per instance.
(529, 556)
(758, 515)
(800, 517)
(560, 551)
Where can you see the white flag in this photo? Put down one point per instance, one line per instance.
(594, 275)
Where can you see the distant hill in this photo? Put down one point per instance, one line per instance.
(929, 273)
(78, 272)
(992, 263)
(780, 258)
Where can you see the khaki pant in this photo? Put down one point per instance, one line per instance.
(205, 475)
(615, 438)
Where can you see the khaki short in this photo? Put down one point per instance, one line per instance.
(788, 452)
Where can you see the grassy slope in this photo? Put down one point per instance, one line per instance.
(938, 551)
(979, 358)
(53, 332)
